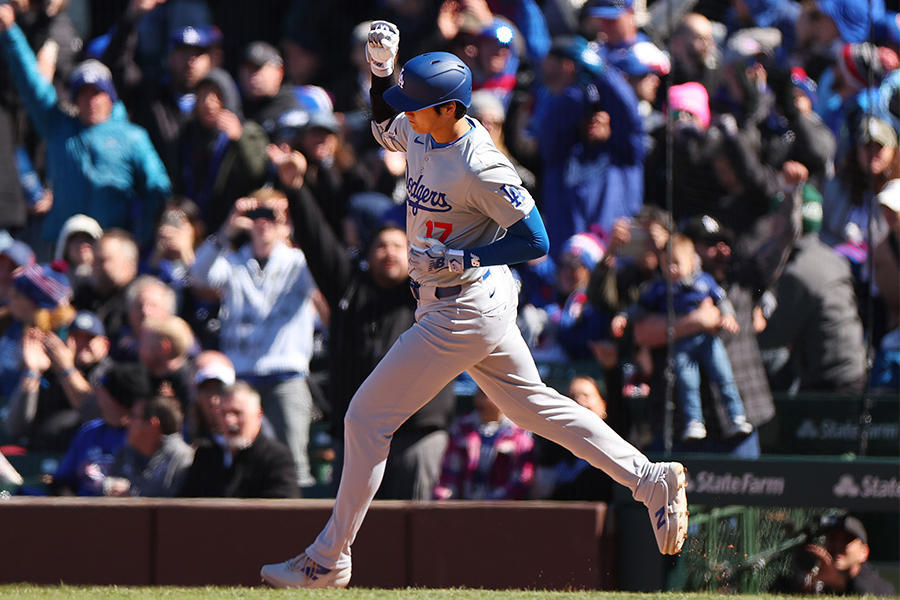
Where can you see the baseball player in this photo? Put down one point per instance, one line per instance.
(467, 218)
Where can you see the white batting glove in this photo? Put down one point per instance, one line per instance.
(440, 256)
(381, 48)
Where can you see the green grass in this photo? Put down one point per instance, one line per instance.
(28, 592)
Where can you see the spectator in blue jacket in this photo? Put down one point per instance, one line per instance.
(99, 163)
(86, 464)
(577, 85)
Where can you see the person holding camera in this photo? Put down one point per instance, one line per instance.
(841, 565)
(267, 315)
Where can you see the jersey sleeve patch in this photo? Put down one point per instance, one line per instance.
(514, 195)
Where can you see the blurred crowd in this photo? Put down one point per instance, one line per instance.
(204, 250)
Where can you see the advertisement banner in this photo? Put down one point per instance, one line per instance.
(830, 424)
(861, 485)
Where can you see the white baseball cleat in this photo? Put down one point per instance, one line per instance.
(668, 509)
(302, 572)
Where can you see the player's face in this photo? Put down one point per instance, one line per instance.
(425, 120)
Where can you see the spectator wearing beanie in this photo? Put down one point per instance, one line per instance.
(39, 299)
(88, 459)
(13, 255)
(572, 324)
(694, 186)
(76, 246)
(221, 156)
(54, 396)
(856, 64)
(99, 162)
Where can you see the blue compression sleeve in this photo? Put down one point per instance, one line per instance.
(525, 240)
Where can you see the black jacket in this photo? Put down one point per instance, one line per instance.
(366, 319)
(265, 469)
(265, 111)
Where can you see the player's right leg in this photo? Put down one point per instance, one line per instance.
(419, 364)
(510, 379)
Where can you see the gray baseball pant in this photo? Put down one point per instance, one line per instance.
(475, 332)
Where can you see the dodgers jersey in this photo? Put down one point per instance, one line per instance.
(464, 194)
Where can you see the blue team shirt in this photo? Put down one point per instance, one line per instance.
(90, 456)
(687, 293)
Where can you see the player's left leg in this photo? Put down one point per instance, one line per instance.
(510, 379)
(441, 344)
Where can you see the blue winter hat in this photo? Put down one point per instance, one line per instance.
(45, 287)
(641, 59)
(609, 9)
(585, 247)
(804, 83)
(94, 73)
(852, 16)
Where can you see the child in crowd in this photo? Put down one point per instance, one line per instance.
(690, 288)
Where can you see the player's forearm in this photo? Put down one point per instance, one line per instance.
(525, 240)
(381, 110)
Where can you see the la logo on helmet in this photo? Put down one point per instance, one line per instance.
(400, 79)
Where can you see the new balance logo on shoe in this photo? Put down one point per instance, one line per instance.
(303, 572)
(667, 507)
(312, 570)
(661, 517)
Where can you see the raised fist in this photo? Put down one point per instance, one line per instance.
(381, 47)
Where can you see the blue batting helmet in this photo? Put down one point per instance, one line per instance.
(429, 80)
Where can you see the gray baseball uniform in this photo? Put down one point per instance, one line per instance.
(463, 194)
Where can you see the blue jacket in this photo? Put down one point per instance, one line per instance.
(109, 171)
(581, 186)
